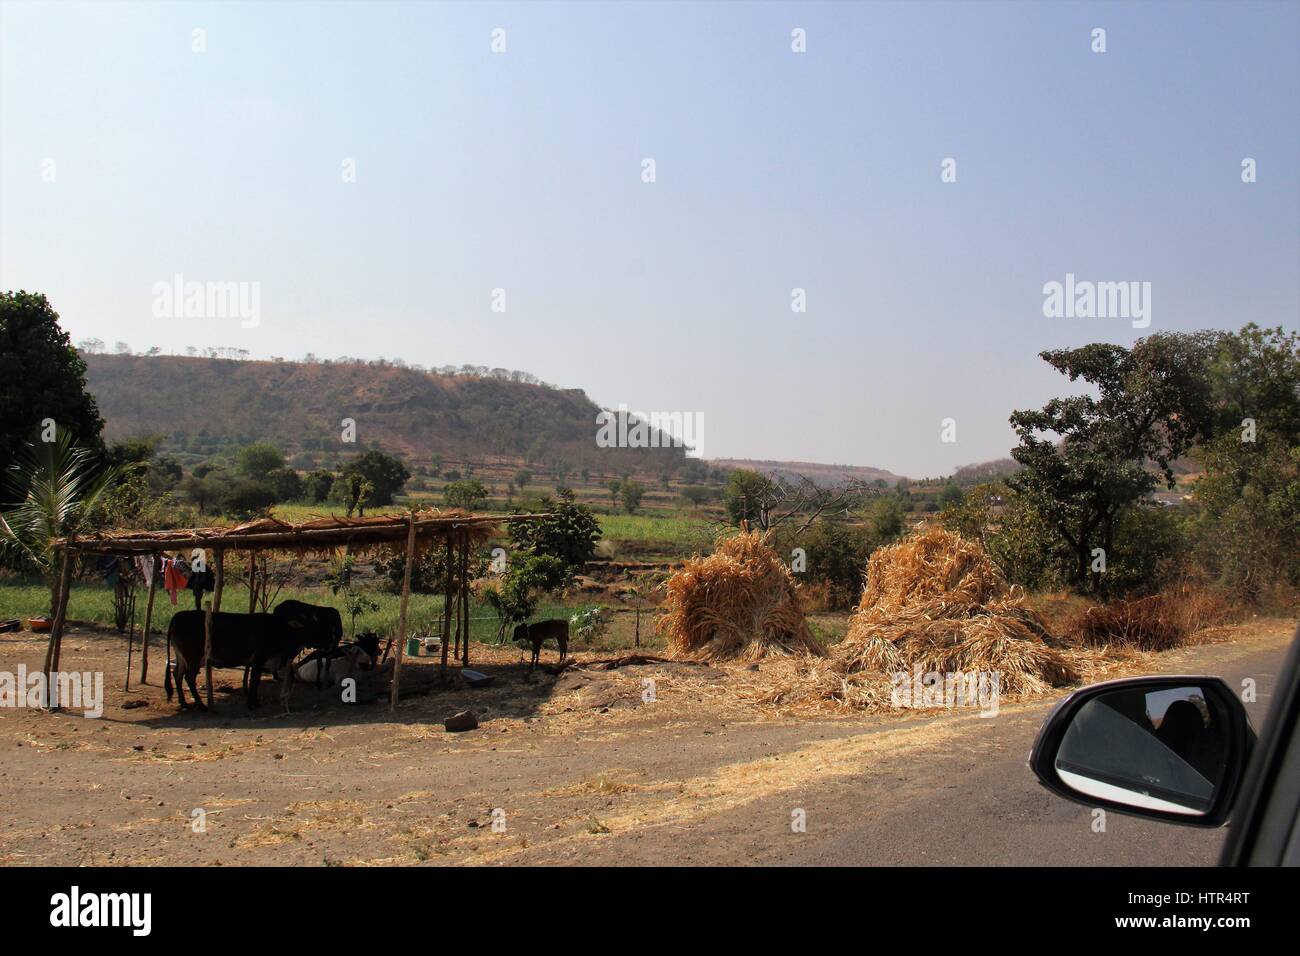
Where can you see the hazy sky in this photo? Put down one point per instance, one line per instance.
(775, 170)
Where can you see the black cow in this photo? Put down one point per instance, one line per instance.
(320, 626)
(256, 641)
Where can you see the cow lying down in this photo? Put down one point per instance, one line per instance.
(320, 668)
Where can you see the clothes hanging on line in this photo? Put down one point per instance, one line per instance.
(173, 578)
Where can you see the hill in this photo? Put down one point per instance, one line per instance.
(201, 406)
(821, 474)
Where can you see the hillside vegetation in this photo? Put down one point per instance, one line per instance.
(201, 405)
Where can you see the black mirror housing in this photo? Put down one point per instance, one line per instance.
(1234, 741)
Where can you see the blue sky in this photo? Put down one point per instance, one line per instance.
(775, 170)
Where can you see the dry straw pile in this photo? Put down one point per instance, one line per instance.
(937, 601)
(741, 602)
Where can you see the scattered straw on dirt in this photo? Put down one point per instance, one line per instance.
(741, 602)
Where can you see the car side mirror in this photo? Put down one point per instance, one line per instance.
(1163, 748)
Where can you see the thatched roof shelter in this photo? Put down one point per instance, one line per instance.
(412, 533)
(316, 535)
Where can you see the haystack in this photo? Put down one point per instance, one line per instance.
(937, 601)
(739, 602)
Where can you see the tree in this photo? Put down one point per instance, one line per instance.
(768, 503)
(835, 553)
(631, 492)
(522, 477)
(1245, 526)
(885, 519)
(515, 594)
(615, 487)
(568, 531)
(259, 460)
(1086, 459)
(202, 490)
(54, 485)
(698, 494)
(41, 377)
(747, 497)
(385, 473)
(285, 484)
(355, 601)
(317, 484)
(950, 495)
(468, 493)
(243, 498)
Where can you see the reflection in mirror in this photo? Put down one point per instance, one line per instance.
(1156, 750)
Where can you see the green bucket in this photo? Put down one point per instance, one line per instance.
(413, 647)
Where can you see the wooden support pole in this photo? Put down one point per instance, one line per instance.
(220, 581)
(252, 581)
(464, 593)
(395, 691)
(54, 649)
(213, 607)
(207, 649)
(148, 619)
(446, 604)
(130, 646)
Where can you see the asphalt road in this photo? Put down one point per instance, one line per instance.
(988, 809)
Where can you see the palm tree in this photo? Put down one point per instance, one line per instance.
(55, 485)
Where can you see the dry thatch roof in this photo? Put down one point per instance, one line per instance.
(314, 535)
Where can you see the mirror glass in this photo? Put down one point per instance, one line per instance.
(1163, 749)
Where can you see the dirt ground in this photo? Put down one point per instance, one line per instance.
(591, 765)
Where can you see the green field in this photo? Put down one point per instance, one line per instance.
(93, 602)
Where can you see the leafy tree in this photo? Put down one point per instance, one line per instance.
(514, 596)
(243, 498)
(1086, 458)
(204, 491)
(285, 484)
(699, 494)
(615, 488)
(748, 497)
(41, 377)
(835, 554)
(385, 473)
(354, 490)
(568, 531)
(164, 472)
(468, 493)
(317, 484)
(885, 517)
(522, 477)
(132, 451)
(631, 492)
(1245, 525)
(355, 601)
(259, 459)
